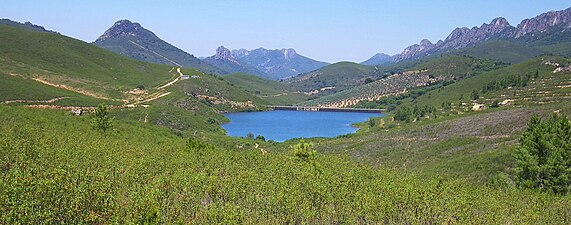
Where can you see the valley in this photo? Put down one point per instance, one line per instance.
(130, 129)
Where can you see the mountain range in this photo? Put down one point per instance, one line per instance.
(134, 41)
(274, 64)
(553, 22)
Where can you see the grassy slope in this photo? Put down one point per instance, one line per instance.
(55, 169)
(274, 92)
(82, 66)
(64, 60)
(462, 143)
(16, 88)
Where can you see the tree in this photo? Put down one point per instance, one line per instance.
(101, 119)
(250, 135)
(475, 95)
(304, 151)
(261, 138)
(543, 159)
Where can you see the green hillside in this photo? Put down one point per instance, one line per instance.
(65, 61)
(274, 92)
(504, 51)
(39, 67)
(65, 172)
(340, 75)
(444, 136)
(428, 71)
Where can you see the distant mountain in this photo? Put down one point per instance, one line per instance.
(134, 41)
(26, 25)
(553, 25)
(272, 64)
(224, 60)
(378, 59)
(277, 64)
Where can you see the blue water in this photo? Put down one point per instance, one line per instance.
(280, 125)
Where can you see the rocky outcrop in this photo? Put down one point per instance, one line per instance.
(121, 28)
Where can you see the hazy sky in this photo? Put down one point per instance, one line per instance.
(327, 30)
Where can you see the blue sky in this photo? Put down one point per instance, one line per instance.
(330, 31)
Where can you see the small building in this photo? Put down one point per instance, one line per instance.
(194, 76)
(184, 77)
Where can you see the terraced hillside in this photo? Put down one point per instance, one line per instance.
(438, 69)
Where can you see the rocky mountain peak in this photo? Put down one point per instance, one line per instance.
(289, 53)
(121, 28)
(223, 53)
(500, 22)
(456, 33)
(425, 44)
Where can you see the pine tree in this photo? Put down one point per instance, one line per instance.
(543, 159)
(101, 119)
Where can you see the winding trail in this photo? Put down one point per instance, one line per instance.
(174, 81)
(35, 101)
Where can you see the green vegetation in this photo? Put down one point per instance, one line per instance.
(504, 51)
(543, 159)
(146, 46)
(55, 169)
(439, 71)
(342, 75)
(101, 120)
(273, 92)
(62, 60)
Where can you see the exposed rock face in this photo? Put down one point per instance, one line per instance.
(225, 60)
(121, 28)
(498, 28)
(543, 22)
(223, 53)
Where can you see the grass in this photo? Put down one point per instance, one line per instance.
(15, 88)
(63, 60)
(273, 92)
(55, 169)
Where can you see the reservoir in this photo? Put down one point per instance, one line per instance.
(280, 125)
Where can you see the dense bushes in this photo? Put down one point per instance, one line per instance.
(55, 169)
